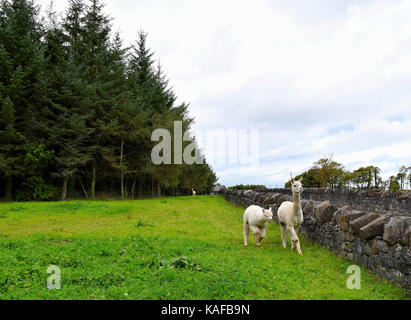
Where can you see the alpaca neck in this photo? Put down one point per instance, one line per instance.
(297, 204)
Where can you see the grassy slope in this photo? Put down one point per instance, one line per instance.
(117, 250)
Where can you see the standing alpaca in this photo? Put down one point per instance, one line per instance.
(256, 219)
(290, 216)
(193, 191)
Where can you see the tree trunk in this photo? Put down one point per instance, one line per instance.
(93, 182)
(158, 189)
(9, 189)
(64, 193)
(122, 185)
(82, 186)
(121, 166)
(133, 187)
(140, 189)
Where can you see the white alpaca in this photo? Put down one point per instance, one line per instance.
(290, 216)
(256, 219)
(194, 192)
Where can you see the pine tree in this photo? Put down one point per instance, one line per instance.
(97, 60)
(68, 130)
(12, 146)
(159, 100)
(72, 27)
(68, 102)
(21, 82)
(140, 71)
(75, 102)
(127, 119)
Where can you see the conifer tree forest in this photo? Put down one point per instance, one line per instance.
(78, 108)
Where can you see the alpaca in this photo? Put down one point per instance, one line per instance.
(290, 216)
(193, 191)
(256, 219)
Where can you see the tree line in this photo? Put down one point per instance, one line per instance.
(327, 173)
(78, 109)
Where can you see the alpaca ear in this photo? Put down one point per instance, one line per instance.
(292, 180)
(301, 179)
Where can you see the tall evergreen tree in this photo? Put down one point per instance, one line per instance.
(75, 102)
(21, 82)
(98, 60)
(12, 146)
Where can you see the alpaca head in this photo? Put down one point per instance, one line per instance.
(268, 215)
(296, 185)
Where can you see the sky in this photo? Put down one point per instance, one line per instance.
(314, 77)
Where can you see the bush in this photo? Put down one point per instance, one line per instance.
(35, 188)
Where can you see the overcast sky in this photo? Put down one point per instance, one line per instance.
(316, 77)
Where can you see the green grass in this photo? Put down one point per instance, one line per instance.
(170, 248)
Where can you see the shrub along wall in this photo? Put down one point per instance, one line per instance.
(378, 241)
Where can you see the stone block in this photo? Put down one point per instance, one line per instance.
(360, 259)
(338, 215)
(406, 238)
(304, 202)
(269, 199)
(382, 246)
(349, 236)
(374, 247)
(358, 247)
(375, 227)
(396, 229)
(357, 224)
(367, 249)
(324, 211)
(347, 217)
(309, 208)
(280, 198)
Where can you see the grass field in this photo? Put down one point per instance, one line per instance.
(170, 248)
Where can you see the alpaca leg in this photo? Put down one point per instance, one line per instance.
(262, 233)
(294, 239)
(284, 234)
(246, 231)
(297, 243)
(290, 233)
(256, 232)
(297, 229)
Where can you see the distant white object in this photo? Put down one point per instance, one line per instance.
(256, 219)
(194, 192)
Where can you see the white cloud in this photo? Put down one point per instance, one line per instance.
(316, 77)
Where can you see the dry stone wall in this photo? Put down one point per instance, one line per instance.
(376, 239)
(380, 201)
